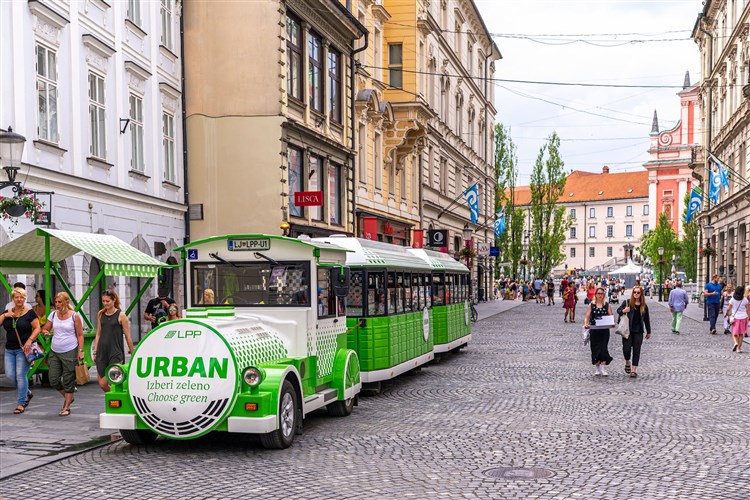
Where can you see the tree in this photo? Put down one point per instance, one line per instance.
(549, 222)
(506, 172)
(661, 236)
(688, 259)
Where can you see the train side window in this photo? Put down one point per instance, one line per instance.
(399, 293)
(416, 290)
(391, 293)
(375, 293)
(325, 295)
(354, 298)
(464, 287)
(425, 280)
(438, 289)
(407, 292)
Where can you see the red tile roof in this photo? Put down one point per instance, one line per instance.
(590, 186)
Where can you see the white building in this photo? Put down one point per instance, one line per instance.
(608, 213)
(94, 87)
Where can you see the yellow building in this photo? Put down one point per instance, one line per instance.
(268, 93)
(424, 123)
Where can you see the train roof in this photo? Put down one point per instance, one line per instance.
(307, 242)
(368, 253)
(439, 261)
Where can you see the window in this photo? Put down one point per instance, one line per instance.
(469, 57)
(134, 11)
(610, 231)
(315, 73)
(166, 23)
(459, 115)
(46, 88)
(167, 142)
(444, 175)
(395, 65)
(334, 193)
(592, 252)
(315, 183)
(354, 306)
(572, 232)
(610, 212)
(645, 228)
(295, 180)
(326, 299)
(136, 133)
(573, 213)
(362, 152)
(377, 161)
(609, 251)
(97, 117)
(629, 230)
(572, 252)
(375, 293)
(629, 211)
(592, 213)
(645, 209)
(294, 57)
(592, 231)
(334, 85)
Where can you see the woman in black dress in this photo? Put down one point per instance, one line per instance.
(112, 326)
(599, 336)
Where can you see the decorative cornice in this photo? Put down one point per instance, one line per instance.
(92, 43)
(137, 70)
(43, 12)
(169, 97)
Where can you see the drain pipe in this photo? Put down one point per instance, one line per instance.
(352, 98)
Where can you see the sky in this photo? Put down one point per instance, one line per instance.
(606, 42)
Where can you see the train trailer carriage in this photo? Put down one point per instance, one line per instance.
(271, 348)
(401, 307)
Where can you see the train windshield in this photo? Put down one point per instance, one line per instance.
(251, 284)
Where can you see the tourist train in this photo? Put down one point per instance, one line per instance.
(296, 325)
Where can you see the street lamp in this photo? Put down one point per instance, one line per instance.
(11, 150)
(709, 230)
(661, 275)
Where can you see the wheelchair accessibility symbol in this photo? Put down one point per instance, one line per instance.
(192, 254)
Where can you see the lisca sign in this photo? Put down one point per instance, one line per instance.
(308, 199)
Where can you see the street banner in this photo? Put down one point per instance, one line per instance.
(714, 188)
(472, 198)
(483, 248)
(370, 228)
(694, 205)
(500, 223)
(417, 238)
(723, 174)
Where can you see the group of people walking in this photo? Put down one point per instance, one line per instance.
(733, 303)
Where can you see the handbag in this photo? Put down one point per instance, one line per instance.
(623, 327)
(730, 318)
(82, 373)
(36, 351)
(586, 336)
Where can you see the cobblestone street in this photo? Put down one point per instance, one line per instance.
(517, 414)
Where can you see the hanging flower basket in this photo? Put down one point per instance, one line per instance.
(467, 252)
(707, 251)
(23, 205)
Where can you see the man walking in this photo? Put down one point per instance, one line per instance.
(712, 297)
(678, 301)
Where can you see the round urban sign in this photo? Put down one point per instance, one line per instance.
(183, 379)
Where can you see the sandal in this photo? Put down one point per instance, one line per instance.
(28, 399)
(627, 368)
(633, 375)
(19, 409)
(64, 412)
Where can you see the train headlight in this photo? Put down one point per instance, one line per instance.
(252, 376)
(115, 374)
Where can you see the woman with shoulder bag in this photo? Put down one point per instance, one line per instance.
(737, 313)
(639, 323)
(112, 326)
(569, 303)
(599, 335)
(22, 328)
(66, 350)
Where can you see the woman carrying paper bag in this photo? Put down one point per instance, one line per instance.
(640, 323)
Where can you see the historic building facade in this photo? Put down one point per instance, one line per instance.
(670, 156)
(269, 116)
(425, 121)
(609, 214)
(721, 32)
(95, 89)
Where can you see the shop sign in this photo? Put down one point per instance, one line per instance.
(308, 199)
(483, 248)
(253, 245)
(417, 238)
(437, 237)
(43, 219)
(494, 251)
(370, 228)
(183, 379)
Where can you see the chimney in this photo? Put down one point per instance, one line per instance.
(605, 169)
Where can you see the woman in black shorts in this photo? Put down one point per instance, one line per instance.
(112, 326)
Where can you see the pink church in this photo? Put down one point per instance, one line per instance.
(670, 155)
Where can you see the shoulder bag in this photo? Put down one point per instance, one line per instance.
(623, 326)
(36, 351)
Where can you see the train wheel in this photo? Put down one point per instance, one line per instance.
(283, 437)
(344, 407)
(138, 436)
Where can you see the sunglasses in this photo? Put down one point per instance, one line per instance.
(636, 293)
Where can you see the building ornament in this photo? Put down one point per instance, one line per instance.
(137, 76)
(665, 139)
(47, 23)
(315, 17)
(170, 97)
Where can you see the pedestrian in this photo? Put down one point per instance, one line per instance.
(112, 326)
(66, 350)
(173, 312)
(712, 294)
(550, 292)
(208, 297)
(11, 304)
(564, 286)
(726, 295)
(513, 290)
(569, 303)
(639, 323)
(22, 327)
(537, 285)
(156, 309)
(590, 292)
(678, 301)
(598, 335)
(40, 308)
(738, 312)
(541, 294)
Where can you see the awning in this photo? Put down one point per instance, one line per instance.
(119, 258)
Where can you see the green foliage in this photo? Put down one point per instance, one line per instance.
(506, 171)
(661, 236)
(688, 259)
(548, 221)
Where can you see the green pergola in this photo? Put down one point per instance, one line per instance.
(42, 250)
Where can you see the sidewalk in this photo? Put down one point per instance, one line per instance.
(39, 436)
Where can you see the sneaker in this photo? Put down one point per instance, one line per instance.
(597, 372)
(712, 332)
(604, 372)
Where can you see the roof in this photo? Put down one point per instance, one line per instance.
(368, 253)
(307, 241)
(590, 186)
(439, 261)
(119, 259)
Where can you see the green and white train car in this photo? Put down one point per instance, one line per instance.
(271, 349)
(404, 306)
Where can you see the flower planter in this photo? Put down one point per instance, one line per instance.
(15, 210)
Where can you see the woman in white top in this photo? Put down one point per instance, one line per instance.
(67, 349)
(737, 313)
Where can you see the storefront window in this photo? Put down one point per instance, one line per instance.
(295, 180)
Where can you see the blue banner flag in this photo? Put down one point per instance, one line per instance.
(714, 186)
(472, 198)
(723, 174)
(500, 223)
(694, 205)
